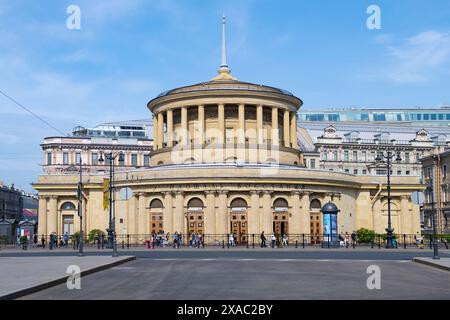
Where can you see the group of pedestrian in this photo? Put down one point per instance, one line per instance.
(55, 241)
(159, 239)
(273, 240)
(347, 240)
(196, 240)
(177, 240)
(100, 239)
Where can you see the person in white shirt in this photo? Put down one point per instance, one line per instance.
(231, 240)
(273, 239)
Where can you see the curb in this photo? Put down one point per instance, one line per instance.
(431, 264)
(52, 283)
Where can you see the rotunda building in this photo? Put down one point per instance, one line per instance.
(226, 160)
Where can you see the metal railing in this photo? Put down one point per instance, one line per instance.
(129, 241)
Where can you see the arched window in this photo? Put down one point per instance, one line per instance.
(156, 204)
(238, 204)
(280, 204)
(315, 205)
(67, 206)
(195, 204)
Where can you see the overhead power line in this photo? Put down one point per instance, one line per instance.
(31, 112)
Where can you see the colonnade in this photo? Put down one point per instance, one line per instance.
(167, 117)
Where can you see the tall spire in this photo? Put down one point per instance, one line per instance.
(224, 71)
(224, 64)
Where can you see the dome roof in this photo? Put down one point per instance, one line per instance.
(330, 207)
(224, 85)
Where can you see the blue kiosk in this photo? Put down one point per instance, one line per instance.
(330, 225)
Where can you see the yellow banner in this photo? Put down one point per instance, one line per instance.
(105, 194)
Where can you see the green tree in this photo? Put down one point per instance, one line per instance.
(365, 235)
(93, 233)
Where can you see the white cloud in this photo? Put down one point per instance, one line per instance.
(418, 58)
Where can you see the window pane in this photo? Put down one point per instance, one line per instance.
(95, 158)
(49, 158)
(134, 159)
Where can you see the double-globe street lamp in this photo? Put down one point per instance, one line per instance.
(112, 218)
(433, 218)
(80, 211)
(387, 160)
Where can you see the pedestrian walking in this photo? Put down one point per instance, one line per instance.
(273, 240)
(285, 240)
(231, 240)
(66, 239)
(263, 240)
(347, 240)
(43, 241)
(353, 236)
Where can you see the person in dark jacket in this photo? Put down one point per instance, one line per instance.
(353, 236)
(263, 240)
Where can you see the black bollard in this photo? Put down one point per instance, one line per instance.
(303, 241)
(404, 241)
(296, 244)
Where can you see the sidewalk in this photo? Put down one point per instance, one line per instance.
(91, 249)
(24, 275)
(442, 263)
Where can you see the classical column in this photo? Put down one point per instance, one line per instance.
(184, 126)
(253, 213)
(377, 217)
(160, 130)
(222, 220)
(52, 216)
(405, 216)
(266, 223)
(210, 213)
(221, 114)
(241, 117)
(155, 131)
(42, 225)
(170, 128)
(132, 225)
(178, 213)
(142, 216)
(201, 125)
(167, 212)
(305, 213)
(259, 124)
(293, 137)
(275, 133)
(295, 221)
(286, 129)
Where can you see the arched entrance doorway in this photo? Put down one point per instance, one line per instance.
(238, 220)
(68, 211)
(194, 216)
(156, 216)
(280, 218)
(315, 221)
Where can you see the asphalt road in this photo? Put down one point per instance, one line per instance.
(258, 279)
(234, 253)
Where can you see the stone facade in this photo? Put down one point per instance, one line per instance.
(226, 160)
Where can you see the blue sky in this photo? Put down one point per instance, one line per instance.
(126, 52)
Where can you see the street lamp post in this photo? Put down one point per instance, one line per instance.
(112, 219)
(80, 211)
(387, 159)
(433, 220)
